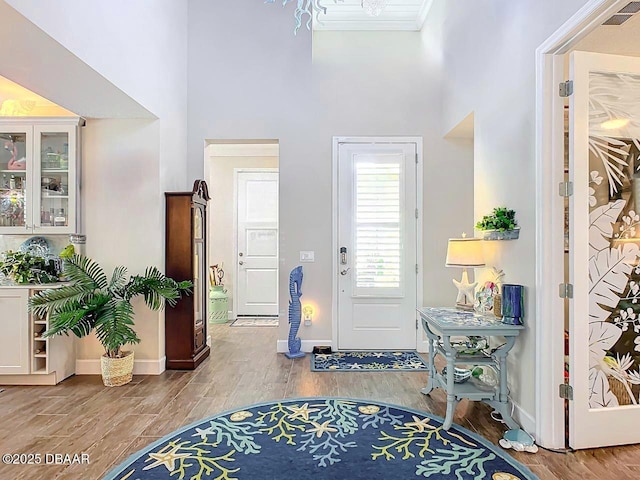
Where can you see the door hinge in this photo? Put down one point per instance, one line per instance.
(566, 88)
(416, 213)
(566, 391)
(416, 268)
(416, 158)
(565, 290)
(416, 323)
(565, 189)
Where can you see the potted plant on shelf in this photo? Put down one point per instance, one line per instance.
(92, 302)
(500, 225)
(24, 267)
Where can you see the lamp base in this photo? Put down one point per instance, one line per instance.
(466, 291)
(464, 306)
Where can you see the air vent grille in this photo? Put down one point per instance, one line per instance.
(633, 7)
(617, 20)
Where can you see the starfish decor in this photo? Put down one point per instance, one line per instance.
(466, 290)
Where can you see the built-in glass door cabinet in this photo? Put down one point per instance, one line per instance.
(39, 175)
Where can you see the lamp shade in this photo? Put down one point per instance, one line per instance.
(465, 252)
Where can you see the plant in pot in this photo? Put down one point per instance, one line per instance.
(92, 302)
(500, 225)
(24, 267)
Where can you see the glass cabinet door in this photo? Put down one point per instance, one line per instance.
(54, 185)
(15, 175)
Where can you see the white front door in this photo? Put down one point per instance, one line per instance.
(604, 367)
(257, 248)
(377, 243)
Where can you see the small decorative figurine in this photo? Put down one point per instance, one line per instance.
(15, 163)
(519, 440)
(486, 296)
(295, 313)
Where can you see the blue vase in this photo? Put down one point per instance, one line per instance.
(512, 304)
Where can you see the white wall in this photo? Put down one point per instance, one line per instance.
(221, 228)
(489, 63)
(249, 77)
(126, 50)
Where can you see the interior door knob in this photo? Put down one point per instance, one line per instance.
(240, 254)
(241, 262)
(345, 271)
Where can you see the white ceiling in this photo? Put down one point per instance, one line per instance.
(349, 15)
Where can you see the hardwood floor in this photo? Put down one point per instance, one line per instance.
(82, 416)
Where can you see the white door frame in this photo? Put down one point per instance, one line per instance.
(236, 171)
(334, 224)
(550, 421)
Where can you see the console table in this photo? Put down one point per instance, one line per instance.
(440, 324)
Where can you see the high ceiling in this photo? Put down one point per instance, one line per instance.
(349, 15)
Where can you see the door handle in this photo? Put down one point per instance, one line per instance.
(241, 262)
(343, 255)
(345, 271)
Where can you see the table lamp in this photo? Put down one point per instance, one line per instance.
(465, 253)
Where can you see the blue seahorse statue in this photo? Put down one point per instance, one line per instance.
(295, 313)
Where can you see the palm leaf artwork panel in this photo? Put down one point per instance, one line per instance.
(614, 274)
(92, 302)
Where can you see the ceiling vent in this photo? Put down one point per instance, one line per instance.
(624, 14)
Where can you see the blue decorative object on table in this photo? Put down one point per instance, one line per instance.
(295, 313)
(460, 375)
(512, 304)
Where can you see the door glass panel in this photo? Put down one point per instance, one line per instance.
(378, 225)
(197, 283)
(13, 183)
(54, 179)
(614, 239)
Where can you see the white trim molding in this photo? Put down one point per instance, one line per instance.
(140, 367)
(307, 345)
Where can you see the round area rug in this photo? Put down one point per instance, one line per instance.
(321, 438)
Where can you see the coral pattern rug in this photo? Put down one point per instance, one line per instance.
(321, 438)
(369, 361)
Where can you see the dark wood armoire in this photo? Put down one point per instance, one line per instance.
(186, 259)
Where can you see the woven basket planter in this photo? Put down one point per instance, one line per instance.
(117, 371)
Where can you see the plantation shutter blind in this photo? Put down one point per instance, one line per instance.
(378, 229)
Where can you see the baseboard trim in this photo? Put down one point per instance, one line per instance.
(307, 345)
(526, 421)
(140, 367)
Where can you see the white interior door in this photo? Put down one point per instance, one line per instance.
(377, 241)
(604, 131)
(257, 237)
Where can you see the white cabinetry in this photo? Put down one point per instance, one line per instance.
(39, 172)
(25, 357)
(14, 331)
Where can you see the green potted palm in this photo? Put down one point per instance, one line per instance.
(91, 302)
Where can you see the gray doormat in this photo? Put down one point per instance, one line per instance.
(255, 322)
